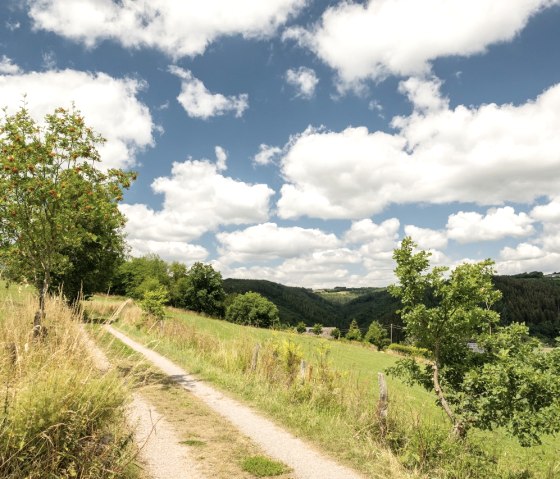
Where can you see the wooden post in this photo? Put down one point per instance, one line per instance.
(255, 357)
(302, 370)
(383, 403)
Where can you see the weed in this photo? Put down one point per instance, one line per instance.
(261, 466)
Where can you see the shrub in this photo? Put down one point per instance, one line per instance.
(252, 309)
(153, 303)
(354, 333)
(409, 350)
(317, 329)
(300, 327)
(377, 335)
(335, 333)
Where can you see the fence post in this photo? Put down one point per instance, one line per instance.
(255, 357)
(302, 370)
(383, 403)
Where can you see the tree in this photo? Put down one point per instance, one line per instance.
(138, 275)
(54, 201)
(335, 333)
(354, 333)
(317, 329)
(300, 327)
(377, 335)
(252, 309)
(480, 379)
(203, 290)
(153, 303)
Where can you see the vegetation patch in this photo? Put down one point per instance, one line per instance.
(261, 466)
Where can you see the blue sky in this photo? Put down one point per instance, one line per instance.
(299, 141)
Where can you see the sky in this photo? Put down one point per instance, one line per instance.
(300, 141)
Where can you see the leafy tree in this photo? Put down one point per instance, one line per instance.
(203, 290)
(335, 333)
(317, 329)
(153, 302)
(54, 201)
(252, 309)
(377, 335)
(503, 379)
(300, 327)
(138, 275)
(354, 333)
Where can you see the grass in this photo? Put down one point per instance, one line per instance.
(335, 405)
(59, 417)
(261, 466)
(216, 445)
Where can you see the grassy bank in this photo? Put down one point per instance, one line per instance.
(59, 417)
(335, 404)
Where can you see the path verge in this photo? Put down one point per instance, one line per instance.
(306, 462)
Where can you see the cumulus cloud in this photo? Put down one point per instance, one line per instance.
(269, 241)
(487, 155)
(110, 106)
(198, 102)
(378, 38)
(168, 250)
(426, 238)
(304, 80)
(366, 230)
(466, 227)
(549, 212)
(177, 27)
(266, 154)
(8, 67)
(197, 198)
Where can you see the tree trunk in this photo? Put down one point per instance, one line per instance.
(40, 314)
(459, 429)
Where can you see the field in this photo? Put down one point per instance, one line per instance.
(335, 405)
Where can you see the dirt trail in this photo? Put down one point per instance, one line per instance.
(306, 462)
(161, 453)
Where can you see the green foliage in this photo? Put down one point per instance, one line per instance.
(261, 466)
(203, 291)
(300, 327)
(56, 207)
(252, 309)
(505, 380)
(409, 350)
(138, 275)
(354, 333)
(153, 302)
(335, 333)
(317, 329)
(377, 335)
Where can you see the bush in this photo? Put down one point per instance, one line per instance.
(335, 333)
(252, 309)
(300, 327)
(409, 350)
(317, 329)
(153, 303)
(377, 335)
(354, 333)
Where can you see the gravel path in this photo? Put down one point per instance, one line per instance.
(161, 453)
(306, 462)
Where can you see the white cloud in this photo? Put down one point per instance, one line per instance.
(197, 198)
(221, 158)
(487, 155)
(378, 38)
(523, 251)
(8, 67)
(177, 27)
(269, 241)
(110, 106)
(198, 102)
(366, 230)
(426, 238)
(304, 80)
(266, 154)
(168, 250)
(466, 227)
(549, 212)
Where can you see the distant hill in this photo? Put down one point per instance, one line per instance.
(530, 298)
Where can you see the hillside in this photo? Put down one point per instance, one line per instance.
(528, 298)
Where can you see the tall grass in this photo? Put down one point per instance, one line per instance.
(59, 416)
(333, 407)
